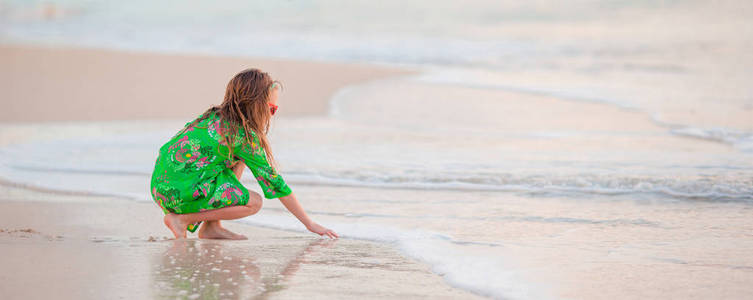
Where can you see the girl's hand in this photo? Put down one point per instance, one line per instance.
(321, 230)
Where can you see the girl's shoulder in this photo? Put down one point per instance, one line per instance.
(202, 118)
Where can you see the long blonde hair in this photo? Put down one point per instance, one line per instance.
(245, 104)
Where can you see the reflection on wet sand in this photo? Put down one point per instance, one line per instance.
(213, 269)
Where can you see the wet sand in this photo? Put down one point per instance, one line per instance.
(88, 247)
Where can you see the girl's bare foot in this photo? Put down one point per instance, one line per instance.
(178, 228)
(215, 231)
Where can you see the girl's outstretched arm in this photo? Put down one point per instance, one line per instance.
(292, 204)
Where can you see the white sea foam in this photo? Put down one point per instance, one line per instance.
(737, 138)
(487, 275)
(698, 188)
(122, 165)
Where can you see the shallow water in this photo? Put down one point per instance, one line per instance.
(599, 149)
(503, 213)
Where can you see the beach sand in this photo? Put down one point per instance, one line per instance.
(68, 245)
(40, 84)
(89, 247)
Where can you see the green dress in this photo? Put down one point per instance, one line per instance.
(193, 172)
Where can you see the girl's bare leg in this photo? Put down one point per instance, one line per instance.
(212, 228)
(238, 168)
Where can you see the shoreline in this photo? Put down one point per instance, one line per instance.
(509, 244)
(97, 247)
(88, 245)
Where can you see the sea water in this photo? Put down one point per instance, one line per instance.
(589, 149)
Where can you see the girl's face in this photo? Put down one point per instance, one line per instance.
(272, 102)
(273, 95)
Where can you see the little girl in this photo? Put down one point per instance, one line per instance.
(197, 174)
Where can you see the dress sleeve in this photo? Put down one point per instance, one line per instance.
(254, 156)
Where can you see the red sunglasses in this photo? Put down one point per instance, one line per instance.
(272, 108)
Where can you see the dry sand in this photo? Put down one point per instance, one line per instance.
(65, 245)
(50, 84)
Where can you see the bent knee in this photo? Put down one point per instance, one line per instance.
(254, 201)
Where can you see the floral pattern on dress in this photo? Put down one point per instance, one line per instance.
(202, 190)
(217, 131)
(188, 155)
(167, 198)
(228, 194)
(193, 172)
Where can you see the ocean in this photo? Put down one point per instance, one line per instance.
(545, 149)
